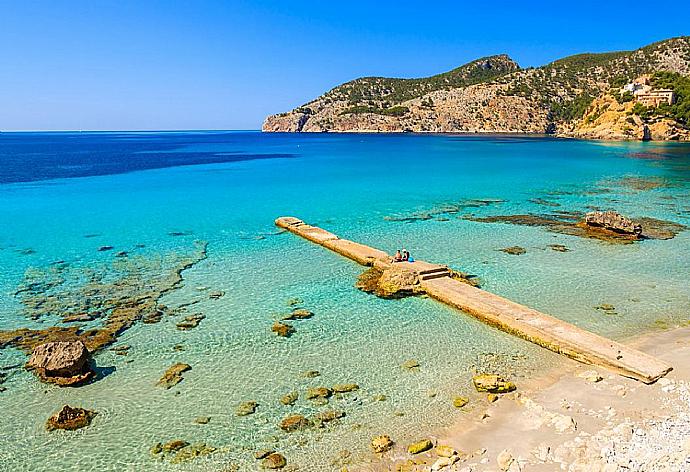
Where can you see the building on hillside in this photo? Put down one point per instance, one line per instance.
(645, 94)
(654, 98)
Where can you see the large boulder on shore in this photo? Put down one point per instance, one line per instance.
(63, 363)
(613, 221)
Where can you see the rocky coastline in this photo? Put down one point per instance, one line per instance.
(571, 97)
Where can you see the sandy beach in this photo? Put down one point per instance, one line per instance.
(577, 418)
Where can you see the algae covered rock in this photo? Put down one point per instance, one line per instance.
(420, 446)
(246, 408)
(282, 329)
(298, 314)
(492, 383)
(514, 250)
(294, 423)
(69, 418)
(382, 443)
(318, 393)
(344, 388)
(327, 416)
(63, 363)
(289, 398)
(173, 375)
(411, 364)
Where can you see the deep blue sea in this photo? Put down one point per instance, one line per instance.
(64, 196)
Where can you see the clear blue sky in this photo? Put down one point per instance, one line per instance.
(143, 64)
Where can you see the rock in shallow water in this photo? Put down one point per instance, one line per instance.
(282, 329)
(294, 423)
(173, 375)
(63, 363)
(274, 461)
(492, 383)
(420, 446)
(69, 418)
(382, 443)
(246, 408)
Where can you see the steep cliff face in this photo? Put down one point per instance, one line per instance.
(606, 118)
(488, 95)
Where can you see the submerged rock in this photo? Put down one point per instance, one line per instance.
(282, 329)
(344, 388)
(62, 363)
(318, 392)
(298, 314)
(191, 452)
(246, 408)
(492, 383)
(69, 418)
(514, 250)
(202, 419)
(381, 444)
(558, 247)
(420, 446)
(411, 364)
(173, 375)
(294, 423)
(327, 416)
(274, 461)
(191, 321)
(174, 445)
(289, 398)
(310, 374)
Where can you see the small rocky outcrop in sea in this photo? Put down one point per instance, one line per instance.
(173, 375)
(65, 363)
(514, 250)
(69, 418)
(283, 330)
(381, 444)
(613, 221)
(492, 383)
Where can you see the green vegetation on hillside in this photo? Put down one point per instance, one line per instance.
(369, 92)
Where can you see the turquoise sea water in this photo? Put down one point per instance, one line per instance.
(129, 189)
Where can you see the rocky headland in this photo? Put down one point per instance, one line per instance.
(574, 96)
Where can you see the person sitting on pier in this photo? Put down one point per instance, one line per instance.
(398, 257)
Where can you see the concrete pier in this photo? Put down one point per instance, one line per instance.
(527, 323)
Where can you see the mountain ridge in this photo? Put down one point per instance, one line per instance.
(491, 95)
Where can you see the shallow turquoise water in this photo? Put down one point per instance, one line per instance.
(356, 186)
